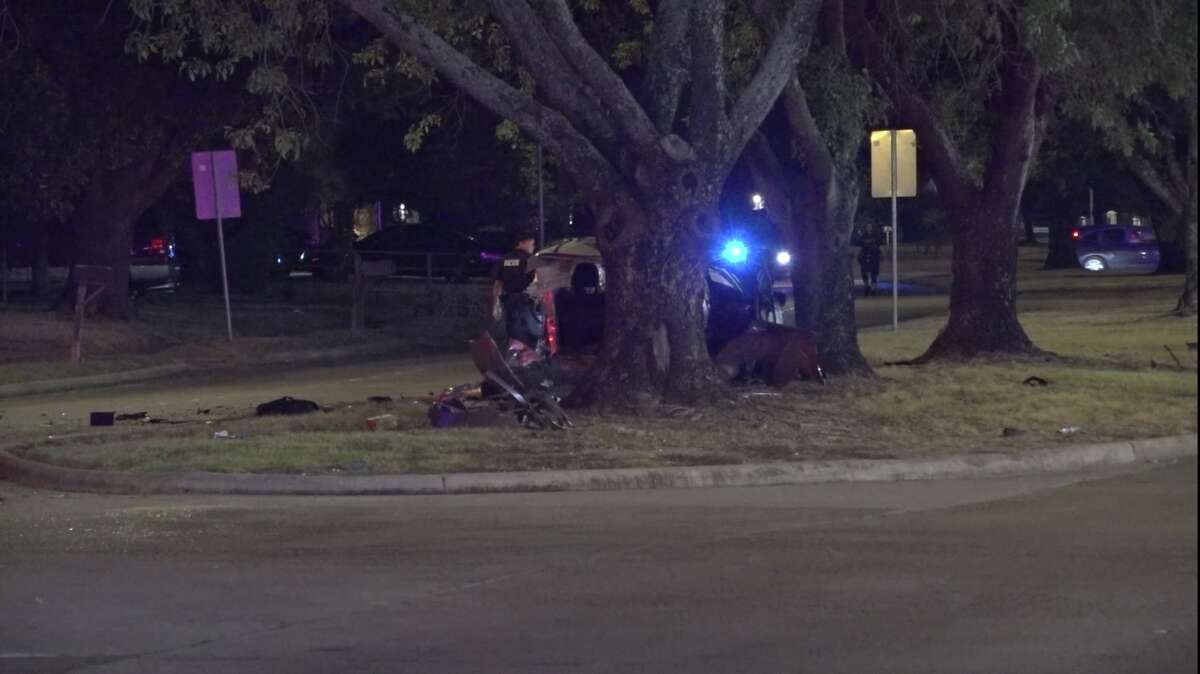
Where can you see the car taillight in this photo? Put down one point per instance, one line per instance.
(551, 322)
(158, 245)
(1075, 234)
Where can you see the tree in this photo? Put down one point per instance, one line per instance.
(816, 191)
(120, 131)
(970, 78)
(649, 160)
(1141, 100)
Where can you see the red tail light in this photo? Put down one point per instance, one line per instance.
(158, 245)
(551, 322)
(1075, 234)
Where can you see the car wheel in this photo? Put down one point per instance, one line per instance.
(1094, 263)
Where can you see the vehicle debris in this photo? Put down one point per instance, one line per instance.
(502, 397)
(1069, 430)
(101, 418)
(1035, 381)
(132, 416)
(286, 405)
(383, 422)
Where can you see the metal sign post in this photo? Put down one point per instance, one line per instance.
(893, 175)
(215, 183)
(895, 247)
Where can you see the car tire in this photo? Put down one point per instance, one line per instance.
(1094, 263)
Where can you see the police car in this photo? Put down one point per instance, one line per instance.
(571, 279)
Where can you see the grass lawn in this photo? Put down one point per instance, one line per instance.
(1111, 379)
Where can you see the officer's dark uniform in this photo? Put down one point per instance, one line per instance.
(520, 316)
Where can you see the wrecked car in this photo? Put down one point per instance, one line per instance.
(571, 281)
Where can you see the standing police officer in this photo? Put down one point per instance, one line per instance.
(510, 278)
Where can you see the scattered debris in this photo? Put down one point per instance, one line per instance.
(506, 393)
(221, 435)
(1069, 430)
(455, 412)
(204, 411)
(132, 416)
(286, 405)
(1010, 432)
(101, 418)
(383, 422)
(380, 400)
(1035, 381)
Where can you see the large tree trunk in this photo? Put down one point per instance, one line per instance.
(655, 347)
(983, 301)
(1060, 254)
(1187, 299)
(837, 327)
(113, 202)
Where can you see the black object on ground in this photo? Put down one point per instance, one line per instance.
(286, 405)
(132, 416)
(379, 400)
(1035, 381)
(101, 418)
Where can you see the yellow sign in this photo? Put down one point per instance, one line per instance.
(906, 163)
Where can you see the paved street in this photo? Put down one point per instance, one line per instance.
(1055, 573)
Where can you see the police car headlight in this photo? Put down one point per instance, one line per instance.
(783, 258)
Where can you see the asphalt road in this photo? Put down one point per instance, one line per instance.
(1081, 573)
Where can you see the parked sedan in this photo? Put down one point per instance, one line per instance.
(1116, 248)
(427, 250)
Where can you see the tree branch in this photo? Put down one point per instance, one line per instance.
(778, 66)
(1156, 183)
(833, 26)
(708, 127)
(612, 92)
(814, 152)
(555, 79)
(595, 174)
(938, 149)
(668, 59)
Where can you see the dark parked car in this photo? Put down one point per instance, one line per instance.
(571, 286)
(428, 250)
(1116, 248)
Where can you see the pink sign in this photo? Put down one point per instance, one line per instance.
(215, 181)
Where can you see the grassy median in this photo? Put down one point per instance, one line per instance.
(1114, 375)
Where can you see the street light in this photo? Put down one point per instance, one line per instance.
(757, 202)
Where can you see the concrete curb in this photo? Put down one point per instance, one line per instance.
(163, 371)
(1075, 457)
